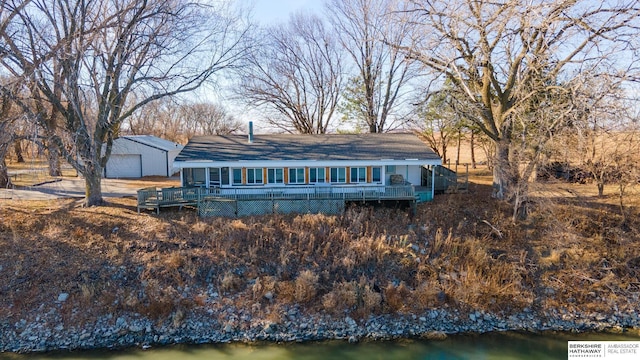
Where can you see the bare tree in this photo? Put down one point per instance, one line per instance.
(89, 58)
(8, 118)
(374, 95)
(296, 74)
(439, 122)
(511, 59)
(8, 91)
(204, 118)
(160, 118)
(626, 164)
(594, 138)
(177, 122)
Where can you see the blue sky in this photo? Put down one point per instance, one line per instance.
(273, 11)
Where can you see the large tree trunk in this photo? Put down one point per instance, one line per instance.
(5, 181)
(503, 179)
(93, 185)
(53, 158)
(17, 148)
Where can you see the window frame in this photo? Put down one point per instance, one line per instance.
(272, 173)
(338, 171)
(373, 176)
(212, 172)
(258, 176)
(294, 173)
(237, 180)
(361, 175)
(315, 179)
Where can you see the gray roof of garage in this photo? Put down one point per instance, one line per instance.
(397, 146)
(153, 141)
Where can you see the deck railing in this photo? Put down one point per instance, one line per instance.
(304, 192)
(152, 198)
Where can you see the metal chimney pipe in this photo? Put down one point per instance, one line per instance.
(250, 132)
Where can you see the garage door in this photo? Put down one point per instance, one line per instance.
(124, 166)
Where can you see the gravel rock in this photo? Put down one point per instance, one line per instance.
(46, 331)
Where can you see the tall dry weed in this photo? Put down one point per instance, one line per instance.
(306, 286)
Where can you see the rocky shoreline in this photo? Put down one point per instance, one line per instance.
(48, 333)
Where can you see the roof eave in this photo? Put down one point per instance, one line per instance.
(303, 163)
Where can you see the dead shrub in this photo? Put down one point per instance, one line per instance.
(425, 296)
(262, 286)
(286, 291)
(306, 286)
(160, 301)
(175, 261)
(396, 297)
(343, 297)
(230, 282)
(371, 300)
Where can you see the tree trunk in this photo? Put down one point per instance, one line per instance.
(93, 185)
(17, 148)
(600, 188)
(459, 143)
(5, 181)
(473, 151)
(503, 180)
(53, 157)
(444, 153)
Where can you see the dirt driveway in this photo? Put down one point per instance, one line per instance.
(74, 187)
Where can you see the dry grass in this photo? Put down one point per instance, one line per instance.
(459, 251)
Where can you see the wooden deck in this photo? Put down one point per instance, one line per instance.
(154, 199)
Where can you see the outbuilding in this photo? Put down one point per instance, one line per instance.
(135, 156)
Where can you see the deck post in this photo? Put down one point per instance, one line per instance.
(433, 181)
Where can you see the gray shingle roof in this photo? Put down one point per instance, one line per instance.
(153, 141)
(398, 146)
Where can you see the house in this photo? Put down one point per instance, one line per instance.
(135, 156)
(336, 167)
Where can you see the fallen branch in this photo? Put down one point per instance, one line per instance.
(493, 228)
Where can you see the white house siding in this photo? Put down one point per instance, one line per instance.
(199, 175)
(172, 157)
(410, 173)
(414, 174)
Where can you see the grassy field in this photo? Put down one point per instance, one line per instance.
(462, 251)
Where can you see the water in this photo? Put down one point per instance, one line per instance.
(501, 346)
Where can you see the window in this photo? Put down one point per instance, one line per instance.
(296, 176)
(358, 175)
(275, 176)
(237, 176)
(338, 175)
(224, 175)
(376, 174)
(214, 177)
(391, 169)
(220, 176)
(194, 177)
(254, 176)
(316, 175)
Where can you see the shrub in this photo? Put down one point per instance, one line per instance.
(306, 286)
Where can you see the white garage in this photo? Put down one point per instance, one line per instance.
(136, 156)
